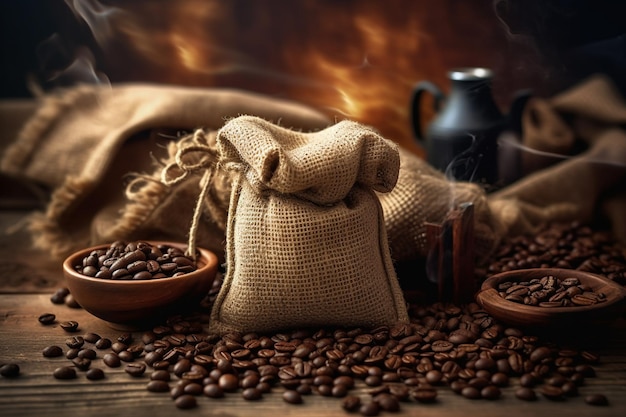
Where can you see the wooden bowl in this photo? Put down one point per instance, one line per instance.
(521, 315)
(133, 305)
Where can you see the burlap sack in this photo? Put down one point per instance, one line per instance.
(306, 243)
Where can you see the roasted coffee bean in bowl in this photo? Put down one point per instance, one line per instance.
(134, 284)
(552, 298)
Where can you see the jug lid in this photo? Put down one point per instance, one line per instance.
(470, 74)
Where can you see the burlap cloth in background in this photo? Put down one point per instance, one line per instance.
(306, 243)
(574, 161)
(83, 142)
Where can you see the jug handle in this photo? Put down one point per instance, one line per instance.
(418, 91)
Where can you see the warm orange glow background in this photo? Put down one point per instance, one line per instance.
(352, 59)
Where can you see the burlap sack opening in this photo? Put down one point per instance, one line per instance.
(306, 243)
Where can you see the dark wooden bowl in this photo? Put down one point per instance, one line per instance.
(132, 305)
(526, 316)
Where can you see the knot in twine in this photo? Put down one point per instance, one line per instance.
(190, 159)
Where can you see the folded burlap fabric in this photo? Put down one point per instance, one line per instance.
(100, 151)
(575, 161)
(424, 195)
(306, 243)
(82, 142)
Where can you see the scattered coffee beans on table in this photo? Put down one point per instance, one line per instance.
(569, 246)
(136, 261)
(444, 346)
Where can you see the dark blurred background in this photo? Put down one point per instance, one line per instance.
(320, 52)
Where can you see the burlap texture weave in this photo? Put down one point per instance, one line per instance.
(306, 243)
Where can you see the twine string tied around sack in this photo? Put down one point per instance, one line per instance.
(206, 161)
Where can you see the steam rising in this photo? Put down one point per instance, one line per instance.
(352, 59)
(97, 16)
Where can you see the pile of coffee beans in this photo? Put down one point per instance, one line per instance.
(550, 292)
(443, 347)
(136, 261)
(569, 246)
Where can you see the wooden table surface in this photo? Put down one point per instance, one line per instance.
(28, 278)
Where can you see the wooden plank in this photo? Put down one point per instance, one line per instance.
(35, 392)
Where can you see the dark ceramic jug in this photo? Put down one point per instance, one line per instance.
(462, 139)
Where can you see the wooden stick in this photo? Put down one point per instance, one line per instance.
(450, 261)
(463, 285)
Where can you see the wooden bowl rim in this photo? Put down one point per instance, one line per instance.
(488, 294)
(211, 261)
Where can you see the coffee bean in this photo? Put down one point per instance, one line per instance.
(87, 354)
(596, 399)
(552, 392)
(47, 319)
(161, 365)
(251, 394)
(111, 360)
(339, 391)
(52, 351)
(75, 342)
(490, 392)
(387, 402)
(135, 369)
(250, 381)
(228, 382)
(59, 295)
(125, 338)
(64, 372)
(81, 363)
(126, 356)
(345, 380)
(373, 380)
(500, 379)
(540, 354)
(471, 393)
(91, 337)
(10, 370)
(570, 389)
(103, 343)
(94, 374)
(213, 391)
(424, 395)
(69, 326)
(526, 394)
(193, 388)
(158, 386)
(369, 409)
(160, 375)
(292, 397)
(72, 353)
(351, 403)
